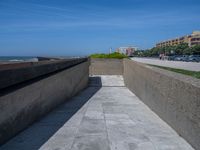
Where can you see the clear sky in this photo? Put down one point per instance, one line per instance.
(81, 27)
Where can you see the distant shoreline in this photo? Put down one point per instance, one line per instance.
(28, 59)
(15, 59)
(6, 59)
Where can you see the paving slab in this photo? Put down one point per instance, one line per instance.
(106, 116)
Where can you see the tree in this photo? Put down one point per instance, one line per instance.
(195, 50)
(187, 51)
(180, 48)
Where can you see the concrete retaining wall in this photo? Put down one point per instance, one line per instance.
(174, 97)
(101, 66)
(11, 74)
(23, 103)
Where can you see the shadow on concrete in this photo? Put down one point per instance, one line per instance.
(95, 81)
(37, 134)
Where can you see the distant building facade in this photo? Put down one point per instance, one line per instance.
(191, 40)
(127, 50)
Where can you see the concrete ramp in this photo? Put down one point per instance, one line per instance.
(106, 116)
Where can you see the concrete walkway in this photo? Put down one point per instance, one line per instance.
(100, 118)
(193, 66)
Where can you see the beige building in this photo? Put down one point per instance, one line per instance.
(193, 39)
(127, 50)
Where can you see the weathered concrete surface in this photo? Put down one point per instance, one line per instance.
(11, 74)
(101, 66)
(23, 104)
(174, 97)
(112, 119)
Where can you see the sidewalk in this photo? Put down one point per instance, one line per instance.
(192, 66)
(106, 116)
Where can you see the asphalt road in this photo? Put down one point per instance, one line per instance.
(193, 66)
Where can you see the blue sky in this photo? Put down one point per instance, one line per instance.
(82, 27)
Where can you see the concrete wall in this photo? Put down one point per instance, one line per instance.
(174, 97)
(22, 104)
(11, 74)
(101, 66)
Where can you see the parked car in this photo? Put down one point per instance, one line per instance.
(194, 58)
(181, 58)
(185, 57)
(178, 58)
(171, 57)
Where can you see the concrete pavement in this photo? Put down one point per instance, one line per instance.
(106, 116)
(193, 66)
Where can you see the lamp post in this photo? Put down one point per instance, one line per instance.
(110, 50)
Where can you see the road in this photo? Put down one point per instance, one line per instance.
(193, 66)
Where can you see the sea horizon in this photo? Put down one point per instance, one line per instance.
(29, 58)
(17, 58)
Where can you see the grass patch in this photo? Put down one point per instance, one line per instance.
(112, 55)
(195, 74)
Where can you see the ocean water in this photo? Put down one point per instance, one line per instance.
(17, 58)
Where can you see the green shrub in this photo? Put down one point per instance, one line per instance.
(112, 55)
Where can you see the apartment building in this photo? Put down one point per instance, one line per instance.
(127, 50)
(191, 40)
